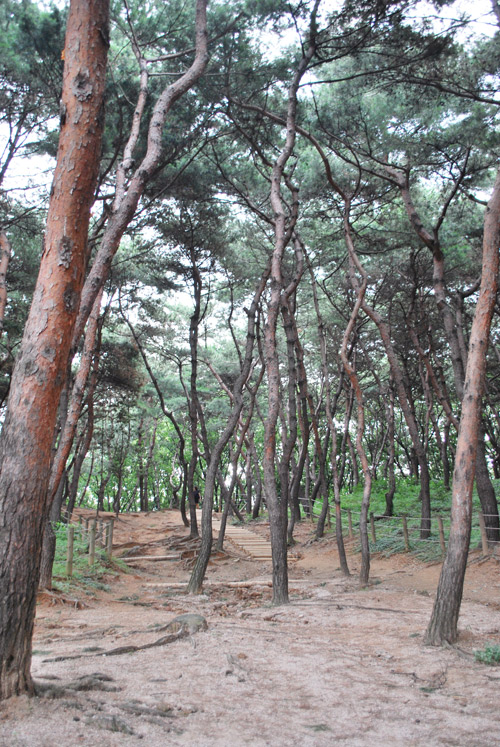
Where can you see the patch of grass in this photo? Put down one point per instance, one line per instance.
(389, 530)
(317, 727)
(88, 577)
(490, 654)
(406, 498)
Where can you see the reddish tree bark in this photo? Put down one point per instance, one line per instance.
(443, 623)
(39, 373)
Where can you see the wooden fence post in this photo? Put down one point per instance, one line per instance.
(92, 543)
(109, 543)
(100, 532)
(349, 521)
(405, 534)
(69, 552)
(484, 536)
(441, 535)
(372, 525)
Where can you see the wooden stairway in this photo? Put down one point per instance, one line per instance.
(244, 539)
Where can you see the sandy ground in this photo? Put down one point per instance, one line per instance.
(339, 665)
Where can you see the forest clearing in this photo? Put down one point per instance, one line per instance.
(338, 665)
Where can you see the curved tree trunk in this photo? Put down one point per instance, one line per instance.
(444, 620)
(199, 570)
(360, 289)
(282, 234)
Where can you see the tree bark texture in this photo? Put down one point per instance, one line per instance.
(40, 370)
(444, 619)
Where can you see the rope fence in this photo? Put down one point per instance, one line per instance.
(403, 533)
(92, 534)
(387, 534)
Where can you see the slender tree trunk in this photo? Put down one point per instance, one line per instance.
(85, 446)
(282, 234)
(391, 477)
(444, 619)
(128, 194)
(321, 451)
(5, 253)
(200, 567)
(257, 480)
(455, 337)
(49, 536)
(397, 375)
(39, 373)
(152, 442)
(360, 288)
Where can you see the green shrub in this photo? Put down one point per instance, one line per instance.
(90, 577)
(489, 655)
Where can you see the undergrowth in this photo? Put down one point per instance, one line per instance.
(489, 655)
(89, 578)
(389, 530)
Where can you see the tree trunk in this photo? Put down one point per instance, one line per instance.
(455, 337)
(444, 620)
(5, 253)
(360, 288)
(196, 580)
(49, 536)
(39, 373)
(127, 196)
(391, 477)
(282, 234)
(85, 445)
(486, 491)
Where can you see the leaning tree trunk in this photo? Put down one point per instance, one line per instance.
(454, 336)
(39, 373)
(443, 623)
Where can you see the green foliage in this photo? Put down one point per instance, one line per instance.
(389, 530)
(90, 578)
(383, 88)
(489, 655)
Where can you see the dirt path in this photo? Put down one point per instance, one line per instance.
(338, 665)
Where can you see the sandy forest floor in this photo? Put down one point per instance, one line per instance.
(339, 665)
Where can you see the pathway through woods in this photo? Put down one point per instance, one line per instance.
(339, 665)
(254, 545)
